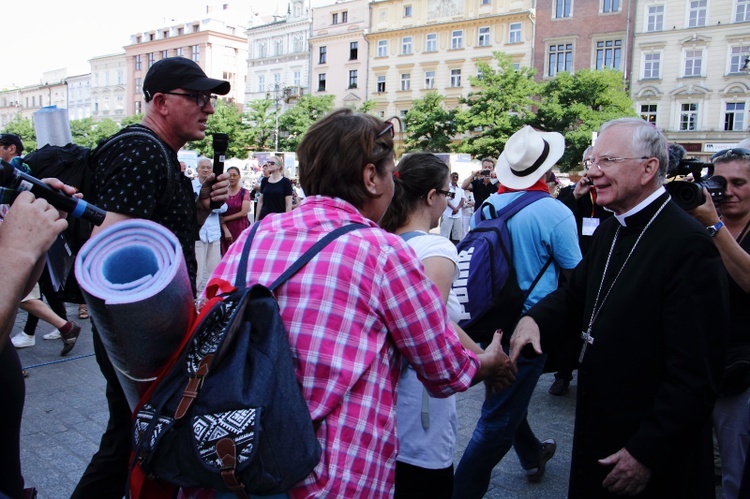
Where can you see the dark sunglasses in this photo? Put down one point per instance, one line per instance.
(448, 194)
(735, 151)
(388, 129)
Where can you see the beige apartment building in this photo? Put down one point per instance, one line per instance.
(215, 43)
(688, 72)
(339, 52)
(417, 46)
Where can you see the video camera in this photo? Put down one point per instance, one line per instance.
(689, 194)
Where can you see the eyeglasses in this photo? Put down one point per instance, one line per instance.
(200, 99)
(605, 162)
(448, 194)
(728, 153)
(388, 129)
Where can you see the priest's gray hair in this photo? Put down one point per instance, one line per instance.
(646, 141)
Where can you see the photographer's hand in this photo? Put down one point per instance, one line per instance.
(705, 213)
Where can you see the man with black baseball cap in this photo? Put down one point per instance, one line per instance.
(11, 146)
(138, 176)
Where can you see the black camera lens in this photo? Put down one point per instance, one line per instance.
(485, 172)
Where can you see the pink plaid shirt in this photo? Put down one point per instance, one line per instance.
(351, 313)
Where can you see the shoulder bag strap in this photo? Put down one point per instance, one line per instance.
(308, 255)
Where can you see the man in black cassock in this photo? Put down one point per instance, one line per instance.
(651, 301)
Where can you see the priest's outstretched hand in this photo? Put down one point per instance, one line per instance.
(629, 476)
(526, 333)
(497, 370)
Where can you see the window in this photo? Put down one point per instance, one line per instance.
(138, 63)
(180, 31)
(353, 78)
(562, 8)
(406, 45)
(165, 33)
(560, 58)
(180, 52)
(297, 78)
(196, 28)
(431, 42)
(608, 54)
(655, 18)
(151, 59)
(382, 48)
(353, 50)
(514, 33)
(405, 81)
(457, 39)
(164, 54)
(455, 77)
(278, 47)
(407, 10)
(261, 83)
(484, 36)
(652, 65)
(734, 117)
(335, 18)
(737, 58)
(139, 86)
(345, 17)
(611, 6)
(648, 113)
(693, 62)
(322, 82)
(323, 51)
(688, 117)
(742, 12)
(196, 53)
(138, 107)
(697, 13)
(297, 44)
(486, 2)
(381, 84)
(429, 79)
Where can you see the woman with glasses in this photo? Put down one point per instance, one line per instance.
(427, 426)
(275, 191)
(356, 309)
(235, 220)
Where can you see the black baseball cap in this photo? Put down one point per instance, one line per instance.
(180, 72)
(12, 139)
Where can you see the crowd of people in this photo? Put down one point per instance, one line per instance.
(649, 302)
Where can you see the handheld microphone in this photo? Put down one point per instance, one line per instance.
(220, 143)
(13, 178)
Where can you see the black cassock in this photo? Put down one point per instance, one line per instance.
(648, 381)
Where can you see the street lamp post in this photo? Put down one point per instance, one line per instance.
(278, 94)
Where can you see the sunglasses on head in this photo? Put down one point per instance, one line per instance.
(388, 129)
(727, 153)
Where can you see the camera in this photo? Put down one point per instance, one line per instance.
(486, 173)
(689, 195)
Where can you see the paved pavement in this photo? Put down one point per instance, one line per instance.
(66, 413)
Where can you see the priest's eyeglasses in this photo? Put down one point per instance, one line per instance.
(200, 99)
(605, 162)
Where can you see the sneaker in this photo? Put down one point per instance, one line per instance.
(548, 450)
(23, 340)
(69, 339)
(559, 387)
(52, 335)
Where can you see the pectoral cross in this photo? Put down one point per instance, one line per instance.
(587, 340)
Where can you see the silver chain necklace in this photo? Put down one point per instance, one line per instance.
(588, 339)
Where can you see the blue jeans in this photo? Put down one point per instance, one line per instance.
(502, 424)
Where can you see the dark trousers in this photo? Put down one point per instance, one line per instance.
(12, 397)
(107, 474)
(53, 298)
(413, 482)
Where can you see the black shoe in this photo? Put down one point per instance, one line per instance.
(69, 339)
(548, 450)
(559, 387)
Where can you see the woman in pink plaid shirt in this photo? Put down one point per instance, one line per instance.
(357, 308)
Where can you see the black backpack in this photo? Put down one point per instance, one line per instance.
(229, 415)
(487, 286)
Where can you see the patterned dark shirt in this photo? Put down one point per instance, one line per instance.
(132, 177)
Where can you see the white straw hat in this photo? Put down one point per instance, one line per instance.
(527, 156)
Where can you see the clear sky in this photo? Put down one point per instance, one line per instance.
(44, 35)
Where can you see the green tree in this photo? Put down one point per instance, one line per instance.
(295, 121)
(88, 133)
(366, 107)
(578, 104)
(428, 125)
(259, 121)
(24, 128)
(131, 120)
(499, 106)
(227, 119)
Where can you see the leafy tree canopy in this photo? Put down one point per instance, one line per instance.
(428, 125)
(227, 119)
(25, 129)
(297, 119)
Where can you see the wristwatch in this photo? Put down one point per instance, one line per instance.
(713, 229)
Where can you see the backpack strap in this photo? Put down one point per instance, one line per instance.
(488, 211)
(411, 234)
(296, 266)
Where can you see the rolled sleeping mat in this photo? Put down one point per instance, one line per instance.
(135, 282)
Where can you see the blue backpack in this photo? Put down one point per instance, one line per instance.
(487, 287)
(228, 414)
